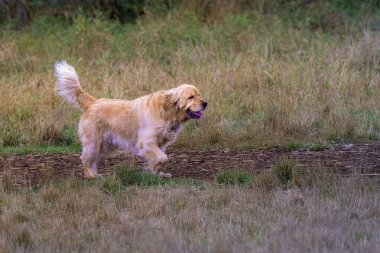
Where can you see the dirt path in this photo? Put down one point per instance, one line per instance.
(361, 158)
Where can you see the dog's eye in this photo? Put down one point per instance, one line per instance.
(191, 97)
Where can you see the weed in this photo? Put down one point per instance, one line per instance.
(289, 173)
(134, 176)
(111, 185)
(23, 238)
(265, 181)
(10, 138)
(294, 145)
(233, 177)
(55, 134)
(317, 146)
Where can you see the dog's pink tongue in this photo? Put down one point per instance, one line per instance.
(199, 114)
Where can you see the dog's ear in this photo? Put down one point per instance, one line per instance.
(170, 99)
(173, 99)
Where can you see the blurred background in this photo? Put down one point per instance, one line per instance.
(273, 72)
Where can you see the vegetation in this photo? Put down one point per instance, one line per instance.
(133, 176)
(273, 72)
(105, 215)
(233, 177)
(288, 172)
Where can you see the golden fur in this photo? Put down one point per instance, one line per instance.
(144, 126)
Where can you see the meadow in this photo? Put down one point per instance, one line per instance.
(296, 75)
(271, 76)
(297, 211)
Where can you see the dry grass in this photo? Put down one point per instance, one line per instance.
(267, 82)
(329, 216)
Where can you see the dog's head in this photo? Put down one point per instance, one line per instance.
(186, 102)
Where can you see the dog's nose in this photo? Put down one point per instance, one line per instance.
(204, 104)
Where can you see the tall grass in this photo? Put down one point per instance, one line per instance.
(268, 78)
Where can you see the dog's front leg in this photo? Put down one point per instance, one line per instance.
(155, 158)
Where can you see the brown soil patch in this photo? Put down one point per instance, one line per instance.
(364, 159)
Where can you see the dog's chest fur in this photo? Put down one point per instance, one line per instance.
(168, 132)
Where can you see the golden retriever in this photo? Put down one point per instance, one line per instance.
(144, 126)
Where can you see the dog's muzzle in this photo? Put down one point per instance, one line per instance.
(196, 115)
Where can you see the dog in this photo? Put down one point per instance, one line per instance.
(145, 126)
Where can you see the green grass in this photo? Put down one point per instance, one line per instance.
(294, 145)
(299, 145)
(40, 149)
(233, 177)
(76, 148)
(133, 176)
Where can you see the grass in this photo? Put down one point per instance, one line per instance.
(288, 172)
(298, 145)
(133, 176)
(233, 177)
(41, 149)
(339, 215)
(272, 74)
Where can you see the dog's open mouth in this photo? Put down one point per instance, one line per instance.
(194, 115)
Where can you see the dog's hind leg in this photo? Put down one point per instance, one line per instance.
(90, 155)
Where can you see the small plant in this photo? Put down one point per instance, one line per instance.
(10, 138)
(133, 176)
(23, 238)
(54, 134)
(317, 146)
(111, 185)
(265, 181)
(294, 145)
(233, 177)
(288, 173)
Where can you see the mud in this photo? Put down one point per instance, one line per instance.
(349, 159)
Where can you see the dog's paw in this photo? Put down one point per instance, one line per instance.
(166, 175)
(89, 176)
(97, 175)
(92, 175)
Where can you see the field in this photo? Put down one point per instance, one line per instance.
(282, 209)
(286, 158)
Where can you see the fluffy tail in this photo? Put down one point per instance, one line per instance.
(68, 86)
